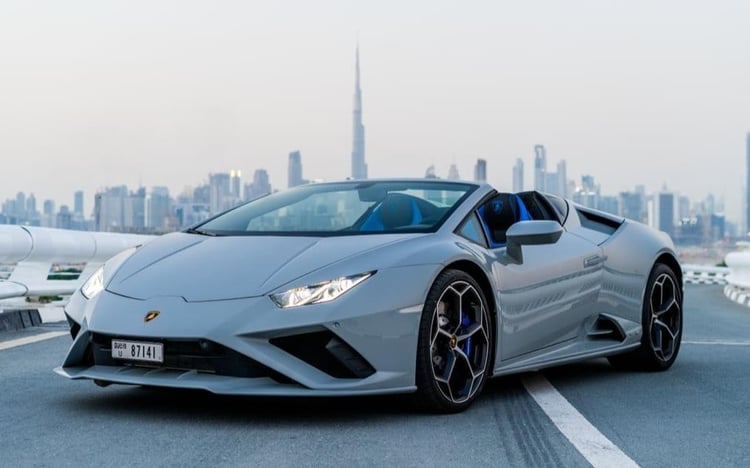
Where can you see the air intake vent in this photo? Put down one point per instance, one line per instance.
(326, 352)
(606, 328)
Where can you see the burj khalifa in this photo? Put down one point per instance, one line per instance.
(359, 166)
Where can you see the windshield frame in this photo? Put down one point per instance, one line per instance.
(393, 184)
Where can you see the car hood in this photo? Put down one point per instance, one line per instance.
(201, 268)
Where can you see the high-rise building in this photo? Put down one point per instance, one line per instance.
(260, 186)
(562, 179)
(665, 213)
(20, 207)
(64, 218)
(480, 171)
(683, 207)
(587, 194)
(220, 192)
(158, 208)
(108, 209)
(78, 202)
(632, 205)
(608, 204)
(202, 194)
(359, 166)
(540, 168)
(453, 172)
(48, 214)
(235, 183)
(518, 176)
(747, 189)
(295, 169)
(550, 183)
(134, 211)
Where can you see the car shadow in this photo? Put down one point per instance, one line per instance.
(180, 404)
(175, 404)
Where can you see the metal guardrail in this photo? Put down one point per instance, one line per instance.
(37, 261)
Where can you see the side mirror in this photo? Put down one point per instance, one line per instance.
(531, 233)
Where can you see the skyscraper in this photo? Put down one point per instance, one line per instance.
(260, 186)
(453, 172)
(359, 166)
(480, 171)
(518, 176)
(540, 168)
(294, 171)
(158, 208)
(562, 178)
(78, 202)
(235, 183)
(220, 192)
(665, 214)
(747, 190)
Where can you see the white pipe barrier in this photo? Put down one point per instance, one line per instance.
(738, 281)
(30, 253)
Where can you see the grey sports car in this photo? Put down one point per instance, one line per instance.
(421, 286)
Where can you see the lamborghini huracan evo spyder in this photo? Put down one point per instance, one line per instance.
(379, 286)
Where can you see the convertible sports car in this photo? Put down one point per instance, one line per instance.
(390, 286)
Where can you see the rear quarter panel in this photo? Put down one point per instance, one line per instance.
(631, 254)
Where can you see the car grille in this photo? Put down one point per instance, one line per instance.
(187, 354)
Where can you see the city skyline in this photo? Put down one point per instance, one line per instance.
(635, 93)
(542, 179)
(118, 209)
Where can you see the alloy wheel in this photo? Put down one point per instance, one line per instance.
(459, 342)
(665, 318)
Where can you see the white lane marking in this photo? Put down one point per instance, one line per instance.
(30, 339)
(718, 342)
(592, 444)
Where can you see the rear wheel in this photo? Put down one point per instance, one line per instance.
(662, 324)
(455, 344)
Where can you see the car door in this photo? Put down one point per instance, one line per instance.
(546, 293)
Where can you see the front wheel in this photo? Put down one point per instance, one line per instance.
(455, 344)
(662, 324)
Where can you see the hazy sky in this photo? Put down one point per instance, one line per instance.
(101, 93)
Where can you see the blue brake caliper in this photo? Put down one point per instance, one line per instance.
(466, 345)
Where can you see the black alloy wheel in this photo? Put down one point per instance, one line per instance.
(455, 344)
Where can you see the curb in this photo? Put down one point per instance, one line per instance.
(18, 319)
(736, 294)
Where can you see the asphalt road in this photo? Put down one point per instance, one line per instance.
(696, 414)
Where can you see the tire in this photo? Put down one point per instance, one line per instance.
(662, 324)
(455, 346)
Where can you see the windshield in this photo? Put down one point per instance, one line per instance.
(345, 208)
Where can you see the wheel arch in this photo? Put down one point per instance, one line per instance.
(669, 260)
(476, 272)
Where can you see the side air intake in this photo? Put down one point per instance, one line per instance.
(606, 328)
(326, 352)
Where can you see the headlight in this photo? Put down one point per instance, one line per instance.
(94, 285)
(317, 293)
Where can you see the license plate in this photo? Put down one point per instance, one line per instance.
(138, 351)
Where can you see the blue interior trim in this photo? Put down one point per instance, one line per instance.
(374, 223)
(523, 215)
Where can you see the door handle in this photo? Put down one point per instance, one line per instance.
(594, 260)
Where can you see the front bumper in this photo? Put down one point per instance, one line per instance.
(362, 343)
